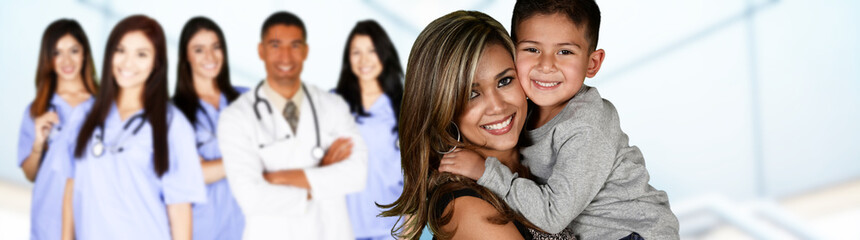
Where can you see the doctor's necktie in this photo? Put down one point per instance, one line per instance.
(290, 115)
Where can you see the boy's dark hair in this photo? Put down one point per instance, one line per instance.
(583, 13)
(285, 18)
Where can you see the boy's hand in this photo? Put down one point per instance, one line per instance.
(463, 162)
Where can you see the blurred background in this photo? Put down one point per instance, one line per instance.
(747, 111)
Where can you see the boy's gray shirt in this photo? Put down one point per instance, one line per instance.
(586, 177)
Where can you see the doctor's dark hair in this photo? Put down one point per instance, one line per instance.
(439, 74)
(582, 13)
(155, 97)
(185, 97)
(285, 18)
(389, 79)
(46, 75)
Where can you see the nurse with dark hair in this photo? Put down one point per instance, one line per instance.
(137, 171)
(65, 83)
(203, 89)
(371, 83)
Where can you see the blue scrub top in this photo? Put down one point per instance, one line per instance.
(220, 217)
(48, 189)
(384, 177)
(119, 196)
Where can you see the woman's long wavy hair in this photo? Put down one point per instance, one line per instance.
(46, 76)
(439, 74)
(185, 96)
(154, 95)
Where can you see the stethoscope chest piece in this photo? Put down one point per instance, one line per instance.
(98, 149)
(54, 133)
(317, 153)
(99, 145)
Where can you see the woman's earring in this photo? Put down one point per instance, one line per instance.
(458, 140)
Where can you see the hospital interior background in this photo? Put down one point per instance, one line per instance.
(747, 111)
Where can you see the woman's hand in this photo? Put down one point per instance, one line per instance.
(463, 162)
(43, 125)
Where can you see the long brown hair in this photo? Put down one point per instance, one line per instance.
(154, 93)
(439, 76)
(185, 97)
(46, 76)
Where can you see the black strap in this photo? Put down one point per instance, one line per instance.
(448, 198)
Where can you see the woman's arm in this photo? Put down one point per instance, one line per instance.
(30, 166)
(179, 215)
(213, 170)
(469, 220)
(42, 125)
(68, 229)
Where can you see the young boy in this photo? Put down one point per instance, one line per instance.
(586, 176)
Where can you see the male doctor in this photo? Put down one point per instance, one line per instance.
(273, 139)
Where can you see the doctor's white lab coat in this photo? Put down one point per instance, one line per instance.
(251, 146)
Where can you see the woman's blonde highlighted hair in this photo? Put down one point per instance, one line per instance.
(439, 74)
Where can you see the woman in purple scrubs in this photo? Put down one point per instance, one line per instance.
(203, 89)
(65, 82)
(137, 171)
(370, 82)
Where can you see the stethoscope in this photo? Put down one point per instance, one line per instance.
(210, 130)
(59, 126)
(317, 152)
(99, 147)
(52, 132)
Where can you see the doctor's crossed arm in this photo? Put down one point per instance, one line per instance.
(343, 169)
(339, 150)
(287, 191)
(243, 166)
(347, 176)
